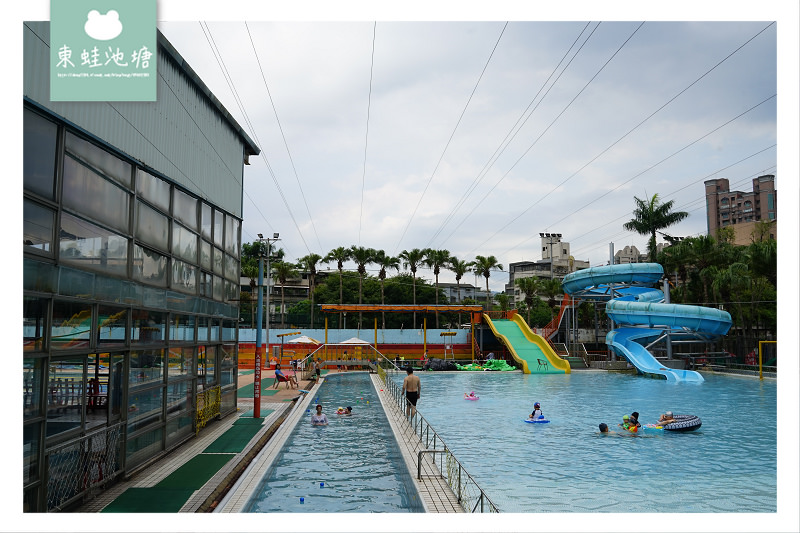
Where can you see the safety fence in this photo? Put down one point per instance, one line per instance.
(208, 407)
(79, 467)
(470, 496)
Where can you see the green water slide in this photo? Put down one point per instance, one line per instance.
(531, 350)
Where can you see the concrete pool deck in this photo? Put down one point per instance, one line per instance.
(229, 488)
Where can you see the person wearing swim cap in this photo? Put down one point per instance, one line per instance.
(666, 418)
(537, 412)
(626, 424)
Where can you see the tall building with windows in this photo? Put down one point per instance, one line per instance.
(727, 208)
(131, 252)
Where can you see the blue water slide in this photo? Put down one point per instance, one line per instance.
(632, 303)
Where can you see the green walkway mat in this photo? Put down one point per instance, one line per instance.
(266, 388)
(236, 438)
(196, 471)
(149, 500)
(247, 418)
(246, 372)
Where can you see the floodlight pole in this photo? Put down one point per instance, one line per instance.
(257, 358)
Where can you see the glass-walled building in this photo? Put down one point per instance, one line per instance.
(131, 251)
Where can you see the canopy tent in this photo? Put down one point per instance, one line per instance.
(353, 340)
(304, 339)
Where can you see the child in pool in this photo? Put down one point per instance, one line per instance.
(537, 412)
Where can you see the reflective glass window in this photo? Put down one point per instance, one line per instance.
(111, 326)
(31, 387)
(37, 227)
(34, 323)
(39, 158)
(100, 389)
(31, 442)
(117, 378)
(206, 222)
(179, 396)
(144, 446)
(217, 261)
(145, 407)
(148, 327)
(231, 268)
(205, 255)
(205, 285)
(184, 208)
(214, 330)
(149, 266)
(202, 328)
(231, 291)
(72, 324)
(151, 227)
(82, 243)
(232, 235)
(181, 328)
(146, 366)
(227, 364)
(181, 361)
(184, 243)
(65, 392)
(206, 365)
(218, 288)
(89, 193)
(179, 427)
(153, 189)
(219, 224)
(184, 277)
(98, 158)
(228, 330)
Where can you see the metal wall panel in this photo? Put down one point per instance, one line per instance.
(185, 135)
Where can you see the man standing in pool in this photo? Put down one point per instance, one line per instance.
(411, 388)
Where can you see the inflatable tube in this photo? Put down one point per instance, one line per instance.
(537, 421)
(684, 423)
(472, 398)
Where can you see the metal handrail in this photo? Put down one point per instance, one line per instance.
(460, 481)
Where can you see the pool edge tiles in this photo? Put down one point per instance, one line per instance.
(434, 493)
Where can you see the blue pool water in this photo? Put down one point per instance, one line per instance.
(567, 466)
(355, 458)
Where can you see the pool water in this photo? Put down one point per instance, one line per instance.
(727, 465)
(351, 465)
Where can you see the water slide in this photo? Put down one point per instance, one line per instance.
(638, 308)
(531, 350)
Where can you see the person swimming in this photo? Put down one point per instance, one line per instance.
(537, 412)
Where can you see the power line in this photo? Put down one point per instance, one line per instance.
(546, 130)
(625, 135)
(511, 135)
(366, 135)
(285, 143)
(447, 145)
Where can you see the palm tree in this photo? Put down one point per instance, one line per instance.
(436, 259)
(484, 266)
(411, 260)
(385, 261)
(340, 255)
(459, 268)
(649, 217)
(551, 288)
(362, 256)
(250, 271)
(309, 264)
(530, 286)
(281, 272)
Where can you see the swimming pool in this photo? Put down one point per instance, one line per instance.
(567, 466)
(351, 465)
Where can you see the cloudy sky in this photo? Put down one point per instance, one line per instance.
(476, 136)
